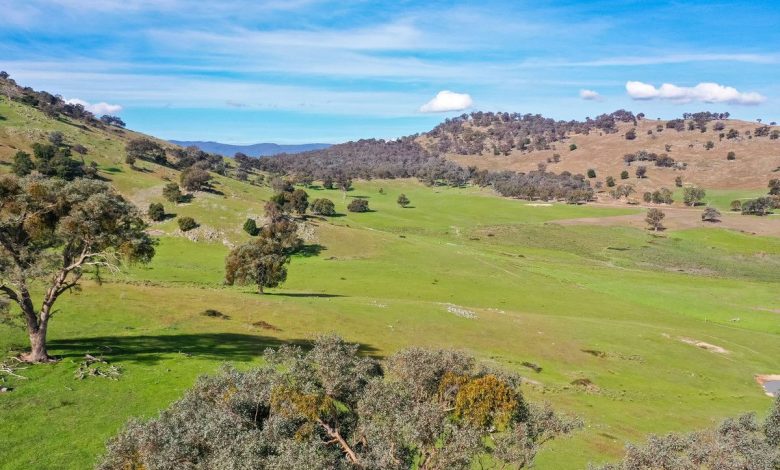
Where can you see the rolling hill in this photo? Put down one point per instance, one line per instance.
(633, 331)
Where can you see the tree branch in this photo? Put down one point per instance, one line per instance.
(334, 433)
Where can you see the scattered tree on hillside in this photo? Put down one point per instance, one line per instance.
(736, 205)
(693, 195)
(263, 261)
(145, 149)
(624, 175)
(662, 196)
(738, 443)
(172, 193)
(610, 181)
(641, 171)
(79, 149)
(54, 161)
(654, 218)
(572, 147)
(281, 185)
(299, 201)
(622, 190)
(195, 179)
(759, 206)
(631, 134)
(332, 408)
(323, 207)
(187, 223)
(710, 214)
(591, 173)
(112, 120)
(678, 181)
(647, 196)
(51, 231)
(56, 138)
(774, 187)
(731, 156)
(358, 205)
(403, 201)
(156, 212)
(709, 145)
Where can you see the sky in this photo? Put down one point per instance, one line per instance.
(297, 71)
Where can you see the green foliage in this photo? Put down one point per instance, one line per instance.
(678, 181)
(591, 173)
(641, 171)
(709, 145)
(610, 181)
(693, 195)
(55, 161)
(331, 408)
(731, 156)
(662, 196)
(156, 212)
(758, 206)
(572, 147)
(145, 149)
(358, 205)
(736, 205)
(624, 175)
(186, 224)
(23, 164)
(402, 200)
(710, 214)
(172, 193)
(250, 227)
(774, 187)
(323, 207)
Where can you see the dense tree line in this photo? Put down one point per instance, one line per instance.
(332, 408)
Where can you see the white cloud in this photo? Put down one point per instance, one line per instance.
(590, 95)
(706, 92)
(98, 109)
(447, 100)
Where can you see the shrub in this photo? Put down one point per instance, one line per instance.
(774, 187)
(187, 223)
(333, 408)
(760, 206)
(610, 181)
(709, 145)
(731, 156)
(736, 205)
(403, 201)
(647, 196)
(692, 195)
(572, 147)
(624, 175)
(250, 227)
(156, 211)
(358, 205)
(678, 181)
(641, 171)
(195, 179)
(710, 214)
(631, 134)
(323, 207)
(23, 164)
(591, 173)
(172, 193)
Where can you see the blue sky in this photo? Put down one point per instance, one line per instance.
(243, 71)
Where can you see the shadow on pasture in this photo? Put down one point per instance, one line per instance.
(149, 350)
(304, 294)
(308, 251)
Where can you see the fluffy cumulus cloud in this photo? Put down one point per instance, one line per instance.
(98, 109)
(705, 92)
(590, 95)
(445, 101)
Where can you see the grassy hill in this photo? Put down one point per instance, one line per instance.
(605, 305)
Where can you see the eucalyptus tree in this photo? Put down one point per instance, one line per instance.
(51, 231)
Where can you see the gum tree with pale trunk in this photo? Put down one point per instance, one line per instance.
(51, 231)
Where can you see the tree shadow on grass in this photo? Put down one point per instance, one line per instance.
(304, 294)
(307, 251)
(150, 350)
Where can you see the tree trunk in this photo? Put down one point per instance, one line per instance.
(38, 351)
(260, 289)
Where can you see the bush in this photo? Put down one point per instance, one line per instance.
(610, 181)
(678, 181)
(641, 171)
(156, 211)
(647, 196)
(631, 134)
(654, 218)
(187, 223)
(172, 193)
(332, 408)
(736, 205)
(323, 207)
(403, 201)
(358, 205)
(731, 156)
(709, 145)
(195, 179)
(693, 195)
(710, 214)
(572, 147)
(591, 173)
(250, 227)
(624, 175)
(760, 206)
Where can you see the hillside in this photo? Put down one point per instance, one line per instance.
(635, 332)
(253, 150)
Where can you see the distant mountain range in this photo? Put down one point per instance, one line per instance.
(254, 150)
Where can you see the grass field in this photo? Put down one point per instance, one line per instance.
(541, 292)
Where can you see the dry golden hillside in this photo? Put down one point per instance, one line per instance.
(757, 158)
